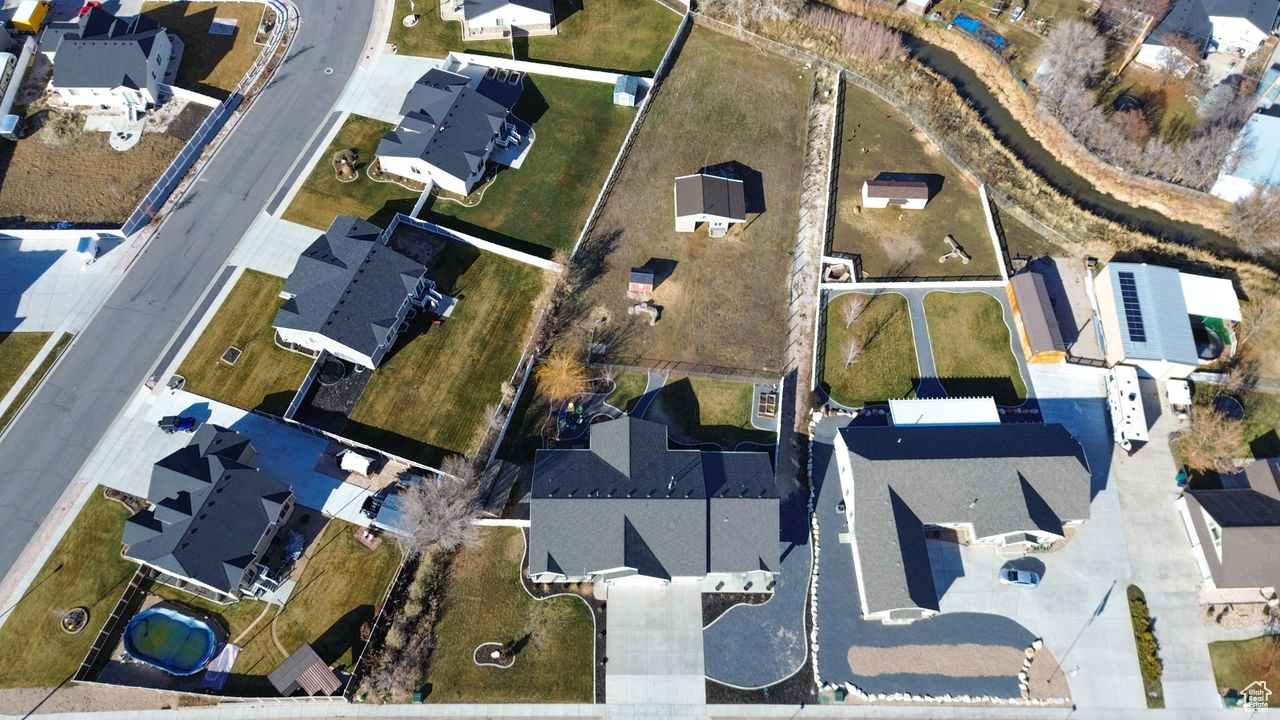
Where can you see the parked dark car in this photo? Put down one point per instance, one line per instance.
(175, 423)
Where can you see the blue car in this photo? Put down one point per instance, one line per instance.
(178, 423)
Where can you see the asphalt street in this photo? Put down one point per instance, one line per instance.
(114, 354)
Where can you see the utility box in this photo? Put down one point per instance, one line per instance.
(30, 16)
(11, 127)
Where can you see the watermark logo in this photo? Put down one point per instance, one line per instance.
(1256, 695)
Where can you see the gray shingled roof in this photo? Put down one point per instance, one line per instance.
(1162, 311)
(1036, 311)
(210, 507)
(999, 478)
(446, 124)
(712, 195)
(1262, 13)
(1185, 17)
(1249, 522)
(100, 50)
(629, 501)
(349, 287)
(898, 189)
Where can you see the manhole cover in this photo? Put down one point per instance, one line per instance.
(328, 71)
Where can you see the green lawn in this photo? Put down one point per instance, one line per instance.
(887, 366)
(725, 301)
(876, 138)
(971, 346)
(702, 409)
(627, 36)
(431, 393)
(484, 602)
(1238, 663)
(628, 387)
(211, 64)
(30, 386)
(1261, 424)
(17, 350)
(545, 203)
(322, 197)
(266, 376)
(85, 570)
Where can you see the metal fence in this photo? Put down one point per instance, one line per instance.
(121, 613)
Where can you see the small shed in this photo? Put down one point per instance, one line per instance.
(720, 202)
(1036, 323)
(907, 194)
(626, 91)
(919, 7)
(641, 281)
(305, 671)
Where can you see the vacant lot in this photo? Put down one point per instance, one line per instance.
(704, 410)
(627, 36)
(876, 138)
(17, 350)
(211, 64)
(725, 300)
(545, 203)
(30, 386)
(59, 172)
(1237, 664)
(322, 197)
(971, 346)
(1022, 240)
(885, 366)
(266, 376)
(85, 570)
(485, 602)
(431, 395)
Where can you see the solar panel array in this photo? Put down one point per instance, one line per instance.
(1132, 310)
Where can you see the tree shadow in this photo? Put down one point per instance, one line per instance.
(396, 444)
(752, 182)
(1001, 388)
(515, 646)
(276, 403)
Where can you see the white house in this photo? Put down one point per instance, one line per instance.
(1254, 161)
(718, 201)
(487, 19)
(103, 60)
(1150, 316)
(349, 293)
(1221, 25)
(906, 194)
(450, 130)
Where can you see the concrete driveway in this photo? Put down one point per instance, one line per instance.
(44, 281)
(654, 644)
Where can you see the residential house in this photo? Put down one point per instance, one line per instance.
(1255, 160)
(100, 59)
(1238, 26)
(906, 194)
(919, 7)
(1153, 317)
(720, 202)
(1010, 485)
(1234, 532)
(488, 19)
(1035, 320)
(349, 293)
(211, 519)
(449, 133)
(630, 509)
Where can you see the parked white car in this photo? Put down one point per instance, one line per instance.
(1013, 576)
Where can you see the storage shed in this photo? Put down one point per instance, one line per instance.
(1036, 323)
(305, 671)
(626, 91)
(908, 194)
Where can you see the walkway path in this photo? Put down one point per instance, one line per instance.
(657, 380)
(654, 643)
(930, 386)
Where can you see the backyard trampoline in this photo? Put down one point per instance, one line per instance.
(168, 639)
(974, 27)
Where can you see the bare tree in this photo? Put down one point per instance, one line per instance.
(1255, 221)
(852, 351)
(851, 308)
(865, 39)
(440, 511)
(1212, 441)
(1075, 52)
(1258, 318)
(562, 376)
(1181, 55)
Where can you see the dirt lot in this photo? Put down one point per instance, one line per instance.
(59, 172)
(876, 139)
(723, 300)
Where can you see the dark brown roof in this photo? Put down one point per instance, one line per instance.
(1037, 313)
(306, 671)
(898, 189)
(711, 195)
